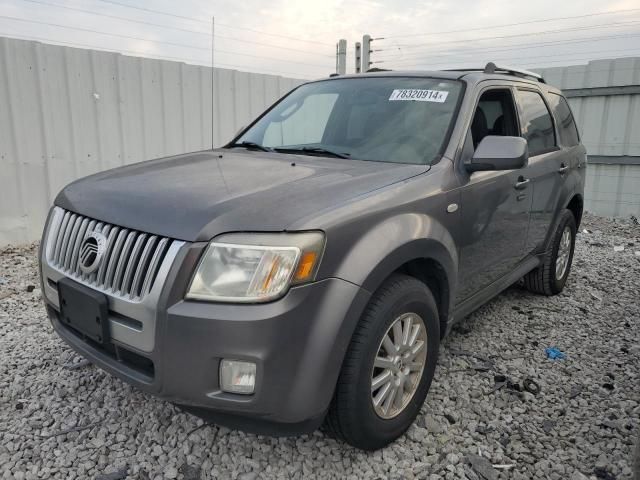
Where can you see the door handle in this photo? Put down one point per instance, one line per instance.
(563, 169)
(521, 184)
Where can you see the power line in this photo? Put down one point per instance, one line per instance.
(116, 17)
(199, 20)
(589, 60)
(147, 55)
(552, 19)
(454, 60)
(512, 47)
(182, 45)
(421, 57)
(143, 22)
(544, 32)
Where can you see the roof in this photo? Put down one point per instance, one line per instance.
(405, 73)
(469, 76)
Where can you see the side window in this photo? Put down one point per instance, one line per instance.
(564, 119)
(302, 124)
(495, 115)
(536, 122)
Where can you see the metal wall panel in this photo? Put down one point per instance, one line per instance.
(609, 127)
(613, 190)
(68, 112)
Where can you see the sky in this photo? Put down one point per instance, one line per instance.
(298, 39)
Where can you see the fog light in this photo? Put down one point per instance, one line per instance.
(237, 376)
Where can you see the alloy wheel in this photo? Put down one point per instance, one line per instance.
(564, 252)
(398, 366)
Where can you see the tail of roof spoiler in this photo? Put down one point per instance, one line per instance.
(493, 68)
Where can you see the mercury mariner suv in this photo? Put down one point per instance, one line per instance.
(305, 273)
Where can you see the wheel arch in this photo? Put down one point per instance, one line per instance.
(410, 243)
(427, 260)
(417, 245)
(433, 274)
(576, 206)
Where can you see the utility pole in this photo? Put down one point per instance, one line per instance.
(341, 57)
(366, 53)
(213, 76)
(358, 57)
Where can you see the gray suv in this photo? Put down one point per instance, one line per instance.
(305, 274)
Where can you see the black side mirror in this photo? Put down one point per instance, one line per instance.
(499, 153)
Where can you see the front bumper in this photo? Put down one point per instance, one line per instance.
(298, 344)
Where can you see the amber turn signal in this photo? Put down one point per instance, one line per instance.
(305, 266)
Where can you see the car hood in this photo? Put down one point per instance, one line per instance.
(196, 196)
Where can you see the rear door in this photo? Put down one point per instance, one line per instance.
(547, 166)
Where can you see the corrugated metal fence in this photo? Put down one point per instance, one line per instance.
(68, 112)
(605, 99)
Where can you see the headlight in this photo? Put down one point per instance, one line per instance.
(257, 267)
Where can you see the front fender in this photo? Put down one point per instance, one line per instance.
(388, 245)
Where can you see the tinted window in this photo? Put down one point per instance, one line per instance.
(564, 119)
(536, 122)
(387, 119)
(495, 115)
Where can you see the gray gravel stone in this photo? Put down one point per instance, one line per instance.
(573, 426)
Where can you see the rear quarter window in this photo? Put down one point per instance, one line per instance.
(567, 129)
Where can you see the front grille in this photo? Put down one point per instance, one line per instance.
(130, 262)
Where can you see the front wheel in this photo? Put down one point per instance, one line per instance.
(550, 277)
(388, 367)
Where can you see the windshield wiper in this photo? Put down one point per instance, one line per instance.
(251, 145)
(312, 150)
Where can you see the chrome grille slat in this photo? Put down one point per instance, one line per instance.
(154, 265)
(133, 263)
(142, 266)
(75, 249)
(113, 258)
(59, 235)
(126, 249)
(73, 239)
(130, 261)
(65, 241)
(110, 232)
(88, 230)
(92, 278)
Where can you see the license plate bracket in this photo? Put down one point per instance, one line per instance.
(84, 310)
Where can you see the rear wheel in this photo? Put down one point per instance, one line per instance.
(388, 367)
(551, 277)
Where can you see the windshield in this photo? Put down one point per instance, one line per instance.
(386, 119)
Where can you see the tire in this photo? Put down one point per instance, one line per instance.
(545, 279)
(352, 416)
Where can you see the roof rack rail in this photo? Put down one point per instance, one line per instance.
(493, 68)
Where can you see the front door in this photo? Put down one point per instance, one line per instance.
(495, 205)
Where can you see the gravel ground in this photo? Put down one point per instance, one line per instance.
(63, 418)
